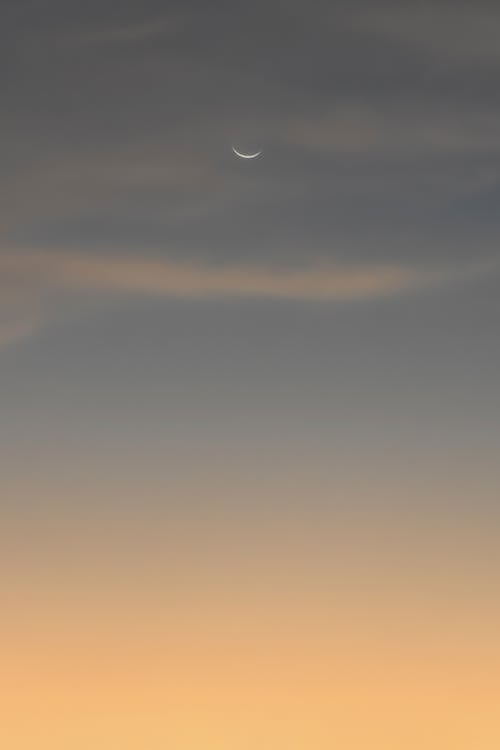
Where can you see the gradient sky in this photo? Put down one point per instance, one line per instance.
(250, 413)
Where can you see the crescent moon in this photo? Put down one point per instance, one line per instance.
(246, 156)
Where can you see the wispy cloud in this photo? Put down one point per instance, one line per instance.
(201, 282)
(398, 131)
(44, 278)
(152, 276)
(467, 33)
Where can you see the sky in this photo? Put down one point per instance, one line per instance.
(249, 428)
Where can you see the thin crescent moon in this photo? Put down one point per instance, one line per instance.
(246, 156)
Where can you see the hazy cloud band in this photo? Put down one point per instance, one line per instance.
(36, 280)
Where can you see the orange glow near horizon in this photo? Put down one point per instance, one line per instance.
(279, 637)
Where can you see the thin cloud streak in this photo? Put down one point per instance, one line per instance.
(461, 34)
(203, 282)
(41, 281)
(397, 130)
(46, 271)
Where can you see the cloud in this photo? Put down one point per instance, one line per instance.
(468, 33)
(399, 131)
(42, 280)
(45, 271)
